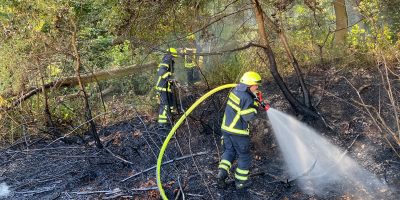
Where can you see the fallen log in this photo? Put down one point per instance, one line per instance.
(85, 79)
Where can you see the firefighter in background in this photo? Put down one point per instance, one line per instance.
(192, 61)
(241, 108)
(163, 87)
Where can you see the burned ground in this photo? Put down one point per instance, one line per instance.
(41, 169)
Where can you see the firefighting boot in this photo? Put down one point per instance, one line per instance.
(241, 185)
(221, 177)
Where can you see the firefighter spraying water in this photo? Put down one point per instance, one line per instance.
(318, 166)
(241, 107)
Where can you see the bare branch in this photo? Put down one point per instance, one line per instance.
(166, 162)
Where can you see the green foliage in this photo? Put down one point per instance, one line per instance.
(142, 85)
(391, 11)
(309, 30)
(357, 38)
(224, 71)
(36, 38)
(380, 37)
(229, 68)
(67, 110)
(121, 54)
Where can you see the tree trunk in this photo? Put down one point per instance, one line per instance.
(88, 112)
(292, 59)
(341, 21)
(296, 105)
(49, 121)
(295, 65)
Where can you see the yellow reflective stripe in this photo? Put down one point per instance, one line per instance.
(241, 112)
(163, 89)
(234, 98)
(158, 81)
(163, 64)
(201, 60)
(242, 178)
(191, 64)
(256, 103)
(235, 107)
(242, 171)
(162, 118)
(237, 117)
(226, 162)
(247, 111)
(166, 75)
(234, 130)
(189, 49)
(163, 114)
(224, 167)
(235, 120)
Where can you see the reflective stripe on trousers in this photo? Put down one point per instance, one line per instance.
(236, 145)
(166, 105)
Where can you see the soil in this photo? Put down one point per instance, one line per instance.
(41, 168)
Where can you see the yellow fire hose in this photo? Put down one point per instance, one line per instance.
(172, 132)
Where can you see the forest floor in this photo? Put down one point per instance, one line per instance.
(41, 168)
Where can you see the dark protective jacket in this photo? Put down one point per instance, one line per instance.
(164, 72)
(240, 109)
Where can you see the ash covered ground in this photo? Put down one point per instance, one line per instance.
(39, 168)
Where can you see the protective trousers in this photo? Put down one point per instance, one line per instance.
(236, 145)
(192, 75)
(166, 106)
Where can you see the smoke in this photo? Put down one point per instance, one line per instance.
(319, 166)
(4, 190)
(224, 34)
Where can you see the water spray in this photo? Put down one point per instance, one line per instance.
(319, 166)
(4, 190)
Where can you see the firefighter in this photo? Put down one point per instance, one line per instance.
(240, 109)
(163, 87)
(192, 61)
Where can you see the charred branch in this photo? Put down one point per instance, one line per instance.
(296, 105)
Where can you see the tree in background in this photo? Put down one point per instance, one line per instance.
(341, 21)
(299, 107)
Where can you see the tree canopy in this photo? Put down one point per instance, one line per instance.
(44, 41)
